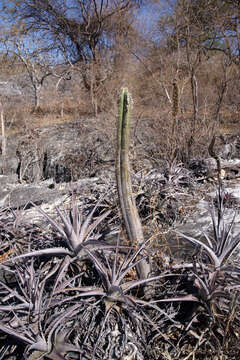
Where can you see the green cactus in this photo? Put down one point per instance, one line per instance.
(127, 201)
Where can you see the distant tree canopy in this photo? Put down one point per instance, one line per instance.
(84, 30)
(209, 24)
(80, 29)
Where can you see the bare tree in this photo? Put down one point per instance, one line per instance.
(37, 67)
(80, 30)
(82, 33)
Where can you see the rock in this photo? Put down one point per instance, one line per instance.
(17, 195)
(7, 180)
(21, 195)
(74, 152)
(200, 221)
(65, 152)
(11, 158)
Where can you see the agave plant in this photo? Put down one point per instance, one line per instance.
(115, 293)
(213, 276)
(176, 175)
(30, 302)
(35, 312)
(73, 229)
(23, 304)
(222, 244)
(59, 306)
(49, 299)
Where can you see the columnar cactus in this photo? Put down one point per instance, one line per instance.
(175, 104)
(127, 201)
(217, 159)
(175, 109)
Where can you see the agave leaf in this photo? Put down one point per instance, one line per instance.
(14, 293)
(215, 226)
(68, 299)
(39, 298)
(49, 274)
(228, 250)
(214, 258)
(225, 244)
(99, 266)
(210, 243)
(61, 344)
(4, 350)
(156, 328)
(79, 288)
(20, 274)
(114, 268)
(123, 265)
(151, 306)
(177, 299)
(61, 272)
(51, 221)
(87, 221)
(225, 237)
(76, 219)
(68, 282)
(125, 271)
(14, 307)
(219, 294)
(211, 280)
(68, 231)
(85, 293)
(128, 260)
(204, 289)
(16, 334)
(85, 234)
(232, 270)
(52, 251)
(71, 311)
(95, 245)
(131, 284)
(233, 287)
(106, 261)
(40, 345)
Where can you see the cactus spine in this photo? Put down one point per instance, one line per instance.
(127, 201)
